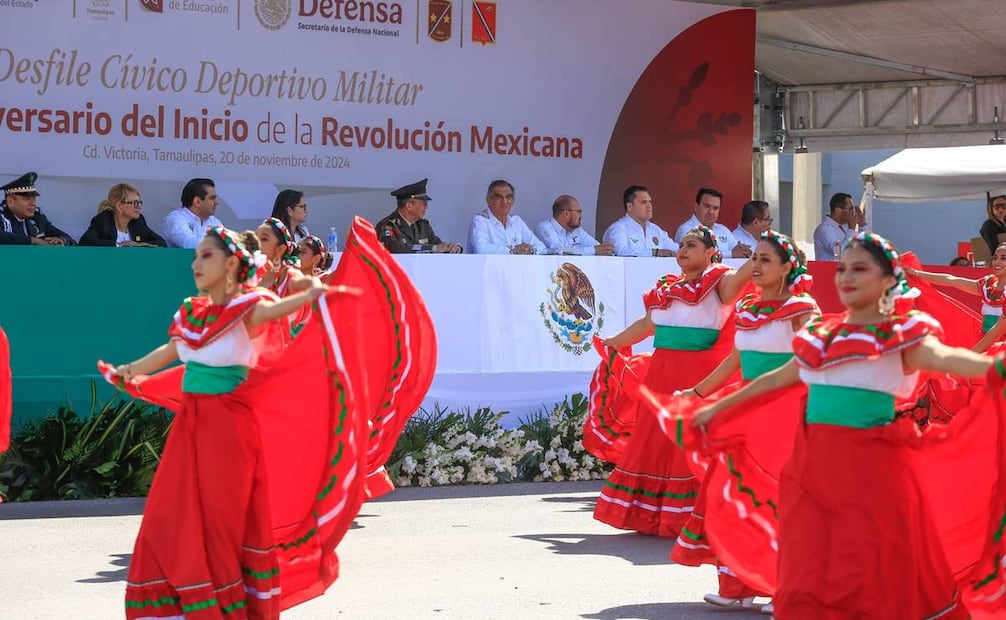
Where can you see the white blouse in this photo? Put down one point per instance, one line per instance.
(232, 348)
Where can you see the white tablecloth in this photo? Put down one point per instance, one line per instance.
(497, 331)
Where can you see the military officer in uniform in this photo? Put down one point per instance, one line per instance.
(21, 223)
(406, 230)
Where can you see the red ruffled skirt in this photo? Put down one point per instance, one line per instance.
(401, 345)
(739, 459)
(857, 537)
(205, 547)
(253, 494)
(652, 489)
(614, 393)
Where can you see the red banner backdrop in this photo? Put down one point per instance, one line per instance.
(827, 297)
(687, 124)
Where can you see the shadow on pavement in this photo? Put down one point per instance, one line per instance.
(670, 611)
(108, 576)
(587, 502)
(72, 508)
(508, 489)
(636, 548)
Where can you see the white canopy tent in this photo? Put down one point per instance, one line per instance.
(952, 173)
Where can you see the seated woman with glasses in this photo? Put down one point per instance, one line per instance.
(995, 225)
(119, 222)
(291, 209)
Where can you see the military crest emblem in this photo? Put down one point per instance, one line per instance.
(439, 20)
(483, 22)
(273, 14)
(571, 313)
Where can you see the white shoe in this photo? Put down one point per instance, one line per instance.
(722, 601)
(768, 610)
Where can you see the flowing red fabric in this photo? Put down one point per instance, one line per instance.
(6, 392)
(611, 412)
(962, 326)
(653, 488)
(978, 500)
(857, 537)
(400, 339)
(739, 457)
(313, 453)
(953, 468)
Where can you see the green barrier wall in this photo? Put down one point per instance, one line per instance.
(65, 308)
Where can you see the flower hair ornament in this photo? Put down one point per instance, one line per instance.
(260, 265)
(283, 233)
(901, 288)
(706, 234)
(246, 259)
(798, 281)
(315, 244)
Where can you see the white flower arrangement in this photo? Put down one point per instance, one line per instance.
(472, 448)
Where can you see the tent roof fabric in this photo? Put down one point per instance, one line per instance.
(953, 173)
(963, 37)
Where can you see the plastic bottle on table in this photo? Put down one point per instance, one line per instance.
(333, 240)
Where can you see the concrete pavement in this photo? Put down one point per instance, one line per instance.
(501, 551)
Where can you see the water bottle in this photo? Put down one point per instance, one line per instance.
(333, 240)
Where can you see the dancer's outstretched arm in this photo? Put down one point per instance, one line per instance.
(266, 311)
(787, 374)
(640, 328)
(717, 377)
(151, 362)
(945, 279)
(931, 354)
(732, 285)
(993, 335)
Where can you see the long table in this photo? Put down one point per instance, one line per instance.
(507, 338)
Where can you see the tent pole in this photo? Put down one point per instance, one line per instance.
(807, 200)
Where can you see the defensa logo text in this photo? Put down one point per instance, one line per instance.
(353, 10)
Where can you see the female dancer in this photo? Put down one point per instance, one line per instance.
(652, 490)
(989, 288)
(216, 541)
(856, 536)
(278, 247)
(765, 323)
(314, 259)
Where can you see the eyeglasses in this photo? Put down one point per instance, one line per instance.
(300, 206)
(136, 203)
(767, 219)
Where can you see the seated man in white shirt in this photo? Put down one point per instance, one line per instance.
(634, 234)
(495, 231)
(833, 232)
(706, 211)
(562, 233)
(755, 219)
(186, 226)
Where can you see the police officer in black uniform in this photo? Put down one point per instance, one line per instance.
(21, 223)
(406, 231)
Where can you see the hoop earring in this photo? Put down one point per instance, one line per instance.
(885, 305)
(782, 286)
(231, 286)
